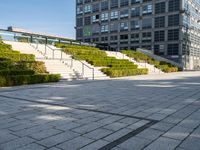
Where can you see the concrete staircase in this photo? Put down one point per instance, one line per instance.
(82, 68)
(57, 62)
(152, 69)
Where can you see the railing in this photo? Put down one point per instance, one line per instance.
(67, 61)
(34, 40)
(150, 67)
(20, 36)
(53, 52)
(159, 57)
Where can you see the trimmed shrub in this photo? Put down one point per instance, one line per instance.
(76, 47)
(98, 58)
(167, 69)
(110, 62)
(28, 79)
(3, 81)
(27, 57)
(140, 57)
(6, 65)
(16, 72)
(5, 47)
(17, 57)
(20, 69)
(113, 72)
(4, 59)
(37, 66)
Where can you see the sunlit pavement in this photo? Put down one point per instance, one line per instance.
(153, 112)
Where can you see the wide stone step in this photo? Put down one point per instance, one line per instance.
(58, 66)
(151, 68)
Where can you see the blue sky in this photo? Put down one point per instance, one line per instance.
(55, 17)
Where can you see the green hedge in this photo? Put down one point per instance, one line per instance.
(3, 81)
(17, 57)
(6, 65)
(37, 66)
(28, 79)
(4, 59)
(111, 63)
(5, 47)
(88, 48)
(94, 56)
(20, 69)
(140, 57)
(114, 72)
(167, 69)
(82, 52)
(98, 58)
(16, 72)
(27, 57)
(9, 51)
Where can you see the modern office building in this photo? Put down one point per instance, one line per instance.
(169, 28)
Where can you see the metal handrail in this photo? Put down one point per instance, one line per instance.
(22, 33)
(141, 64)
(53, 54)
(61, 58)
(159, 57)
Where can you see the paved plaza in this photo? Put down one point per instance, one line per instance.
(152, 112)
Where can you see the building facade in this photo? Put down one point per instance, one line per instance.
(169, 28)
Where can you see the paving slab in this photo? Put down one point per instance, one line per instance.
(162, 126)
(134, 143)
(191, 143)
(98, 134)
(178, 133)
(163, 143)
(44, 134)
(32, 147)
(130, 113)
(17, 143)
(96, 145)
(6, 136)
(57, 139)
(150, 134)
(75, 144)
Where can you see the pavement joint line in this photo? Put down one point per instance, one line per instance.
(127, 136)
(174, 126)
(187, 136)
(78, 108)
(115, 142)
